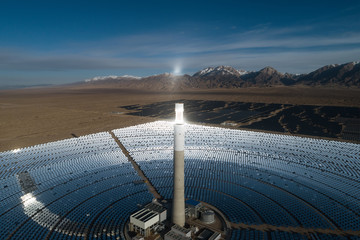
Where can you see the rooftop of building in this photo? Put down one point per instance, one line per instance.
(174, 236)
(144, 214)
(181, 229)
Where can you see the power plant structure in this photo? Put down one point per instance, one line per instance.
(178, 208)
(149, 223)
(129, 183)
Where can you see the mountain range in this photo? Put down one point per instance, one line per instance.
(336, 75)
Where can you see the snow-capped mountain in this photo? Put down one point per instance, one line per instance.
(344, 75)
(220, 70)
(111, 77)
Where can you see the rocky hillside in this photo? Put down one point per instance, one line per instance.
(344, 75)
(333, 75)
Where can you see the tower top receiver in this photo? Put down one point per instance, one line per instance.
(179, 110)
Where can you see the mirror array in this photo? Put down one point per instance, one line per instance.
(257, 178)
(79, 188)
(85, 188)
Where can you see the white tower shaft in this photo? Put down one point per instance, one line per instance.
(178, 211)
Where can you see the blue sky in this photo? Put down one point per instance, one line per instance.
(54, 42)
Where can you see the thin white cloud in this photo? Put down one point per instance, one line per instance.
(158, 44)
(289, 49)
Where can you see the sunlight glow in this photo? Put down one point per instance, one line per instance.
(177, 68)
(179, 110)
(16, 150)
(28, 199)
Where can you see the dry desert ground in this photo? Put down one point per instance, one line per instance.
(39, 115)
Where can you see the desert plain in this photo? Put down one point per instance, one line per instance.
(39, 115)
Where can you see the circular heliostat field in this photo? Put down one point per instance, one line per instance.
(268, 186)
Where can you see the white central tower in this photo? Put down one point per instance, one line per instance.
(178, 211)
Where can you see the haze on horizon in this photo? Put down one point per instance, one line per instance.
(58, 42)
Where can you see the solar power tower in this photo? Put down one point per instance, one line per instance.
(178, 211)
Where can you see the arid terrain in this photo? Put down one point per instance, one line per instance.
(39, 115)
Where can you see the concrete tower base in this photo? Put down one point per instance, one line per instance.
(178, 216)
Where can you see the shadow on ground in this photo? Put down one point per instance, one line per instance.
(321, 121)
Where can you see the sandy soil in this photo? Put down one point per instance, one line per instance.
(34, 116)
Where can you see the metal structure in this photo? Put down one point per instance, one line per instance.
(208, 216)
(146, 220)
